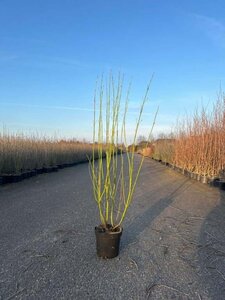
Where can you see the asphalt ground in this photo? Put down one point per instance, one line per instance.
(173, 242)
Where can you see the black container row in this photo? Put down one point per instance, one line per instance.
(216, 182)
(11, 178)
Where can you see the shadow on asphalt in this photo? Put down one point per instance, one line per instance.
(211, 254)
(144, 220)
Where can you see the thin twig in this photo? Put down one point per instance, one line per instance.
(134, 262)
(15, 294)
(222, 275)
(149, 290)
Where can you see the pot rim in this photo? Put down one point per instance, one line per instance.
(109, 231)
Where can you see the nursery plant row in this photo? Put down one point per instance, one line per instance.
(11, 178)
(212, 181)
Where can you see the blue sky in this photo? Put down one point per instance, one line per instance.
(51, 53)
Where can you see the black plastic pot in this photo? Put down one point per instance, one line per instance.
(17, 177)
(60, 166)
(33, 172)
(215, 182)
(23, 174)
(222, 185)
(26, 174)
(66, 165)
(30, 173)
(6, 178)
(39, 170)
(55, 168)
(47, 170)
(107, 242)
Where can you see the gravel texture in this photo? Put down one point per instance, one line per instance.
(173, 243)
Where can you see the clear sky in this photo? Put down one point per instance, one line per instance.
(51, 52)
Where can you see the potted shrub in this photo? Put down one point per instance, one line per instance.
(114, 178)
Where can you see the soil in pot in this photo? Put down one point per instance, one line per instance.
(107, 241)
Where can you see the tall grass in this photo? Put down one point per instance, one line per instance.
(19, 153)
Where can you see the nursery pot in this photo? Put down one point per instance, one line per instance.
(215, 182)
(17, 177)
(204, 179)
(186, 173)
(39, 170)
(107, 241)
(222, 185)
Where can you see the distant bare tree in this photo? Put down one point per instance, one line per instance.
(141, 138)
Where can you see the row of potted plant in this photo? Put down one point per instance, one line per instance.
(24, 174)
(212, 181)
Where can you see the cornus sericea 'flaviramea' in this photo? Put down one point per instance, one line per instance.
(114, 178)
